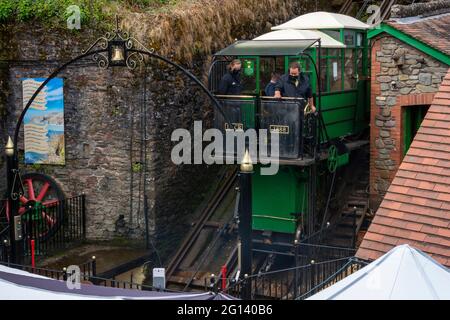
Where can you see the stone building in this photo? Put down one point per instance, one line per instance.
(410, 56)
(416, 207)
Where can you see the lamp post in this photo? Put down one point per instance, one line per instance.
(13, 195)
(245, 222)
(114, 49)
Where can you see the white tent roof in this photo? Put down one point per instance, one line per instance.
(291, 34)
(322, 20)
(21, 285)
(404, 273)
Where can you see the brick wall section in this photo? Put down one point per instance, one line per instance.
(394, 87)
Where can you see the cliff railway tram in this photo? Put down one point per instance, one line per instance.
(315, 148)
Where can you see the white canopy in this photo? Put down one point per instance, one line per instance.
(322, 20)
(21, 285)
(291, 34)
(404, 273)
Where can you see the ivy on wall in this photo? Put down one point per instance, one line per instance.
(54, 12)
(51, 12)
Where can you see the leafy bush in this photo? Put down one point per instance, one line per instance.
(6, 9)
(50, 11)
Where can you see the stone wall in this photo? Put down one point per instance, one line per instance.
(401, 76)
(104, 120)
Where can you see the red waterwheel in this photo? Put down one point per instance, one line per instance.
(40, 205)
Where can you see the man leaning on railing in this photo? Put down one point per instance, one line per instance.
(295, 84)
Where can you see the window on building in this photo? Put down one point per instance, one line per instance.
(412, 118)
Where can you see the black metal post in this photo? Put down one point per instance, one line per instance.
(16, 243)
(94, 266)
(147, 243)
(83, 214)
(9, 183)
(296, 269)
(354, 228)
(245, 223)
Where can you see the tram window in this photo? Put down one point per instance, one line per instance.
(267, 66)
(349, 38)
(349, 70)
(359, 39)
(335, 34)
(335, 70)
(359, 62)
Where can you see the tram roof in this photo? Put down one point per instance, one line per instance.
(267, 47)
(322, 20)
(291, 34)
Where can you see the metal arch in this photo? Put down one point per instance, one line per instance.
(38, 90)
(104, 45)
(132, 60)
(190, 75)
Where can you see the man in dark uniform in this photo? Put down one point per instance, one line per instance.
(295, 84)
(270, 88)
(230, 84)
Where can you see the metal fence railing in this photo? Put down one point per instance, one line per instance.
(46, 229)
(87, 270)
(315, 267)
(296, 283)
(88, 275)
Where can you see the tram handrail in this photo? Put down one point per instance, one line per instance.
(282, 98)
(231, 96)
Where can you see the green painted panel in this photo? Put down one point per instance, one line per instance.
(339, 114)
(338, 111)
(340, 129)
(248, 111)
(276, 197)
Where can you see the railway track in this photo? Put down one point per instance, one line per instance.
(211, 243)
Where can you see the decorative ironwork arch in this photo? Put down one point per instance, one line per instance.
(102, 50)
(116, 48)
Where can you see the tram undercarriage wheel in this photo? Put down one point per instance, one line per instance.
(332, 158)
(41, 206)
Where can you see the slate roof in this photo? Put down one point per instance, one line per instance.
(416, 207)
(433, 31)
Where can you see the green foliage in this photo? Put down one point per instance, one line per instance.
(148, 3)
(52, 12)
(6, 9)
(136, 167)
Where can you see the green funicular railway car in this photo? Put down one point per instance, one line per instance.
(332, 50)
